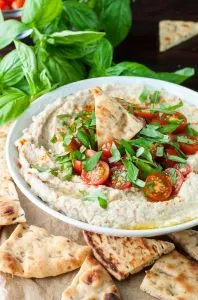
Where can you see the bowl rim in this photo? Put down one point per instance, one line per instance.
(74, 87)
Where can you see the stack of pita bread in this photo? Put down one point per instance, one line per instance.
(173, 33)
(32, 252)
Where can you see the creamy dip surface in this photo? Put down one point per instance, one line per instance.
(126, 208)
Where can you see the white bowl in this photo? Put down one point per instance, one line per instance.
(36, 107)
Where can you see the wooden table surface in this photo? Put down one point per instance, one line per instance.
(142, 45)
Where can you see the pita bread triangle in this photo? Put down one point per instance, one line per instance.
(11, 211)
(112, 120)
(188, 241)
(172, 33)
(91, 282)
(31, 251)
(173, 277)
(124, 256)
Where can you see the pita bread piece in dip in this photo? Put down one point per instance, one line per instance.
(113, 121)
(91, 282)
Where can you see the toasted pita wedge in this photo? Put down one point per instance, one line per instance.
(112, 120)
(10, 208)
(91, 282)
(124, 256)
(31, 251)
(172, 33)
(172, 277)
(188, 241)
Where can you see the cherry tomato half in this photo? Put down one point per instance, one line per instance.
(190, 148)
(98, 175)
(77, 164)
(145, 114)
(118, 178)
(177, 116)
(176, 179)
(157, 187)
(185, 169)
(106, 150)
(168, 162)
(4, 5)
(18, 4)
(74, 144)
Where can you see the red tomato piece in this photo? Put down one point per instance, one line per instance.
(177, 116)
(74, 144)
(106, 150)
(176, 179)
(89, 152)
(157, 187)
(189, 148)
(98, 175)
(168, 162)
(185, 169)
(4, 5)
(77, 164)
(118, 178)
(18, 4)
(145, 114)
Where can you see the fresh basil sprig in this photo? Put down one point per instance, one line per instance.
(90, 163)
(97, 195)
(167, 109)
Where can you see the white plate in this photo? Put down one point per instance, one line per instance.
(36, 107)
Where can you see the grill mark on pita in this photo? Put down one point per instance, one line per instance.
(181, 278)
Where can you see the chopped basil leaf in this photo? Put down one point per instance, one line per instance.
(67, 140)
(167, 109)
(191, 131)
(97, 195)
(77, 155)
(53, 140)
(183, 139)
(127, 146)
(90, 164)
(139, 182)
(169, 127)
(140, 151)
(132, 170)
(159, 151)
(54, 172)
(39, 169)
(144, 95)
(102, 202)
(62, 159)
(83, 138)
(63, 116)
(115, 154)
(92, 137)
(82, 149)
(151, 131)
(155, 97)
(173, 175)
(150, 186)
(176, 158)
(67, 169)
(93, 119)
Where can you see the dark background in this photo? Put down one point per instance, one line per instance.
(142, 44)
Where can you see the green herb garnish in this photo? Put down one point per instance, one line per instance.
(144, 95)
(191, 131)
(53, 140)
(176, 158)
(159, 151)
(167, 109)
(91, 162)
(183, 139)
(115, 154)
(83, 138)
(97, 195)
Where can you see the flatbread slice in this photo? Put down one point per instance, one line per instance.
(173, 277)
(188, 241)
(91, 283)
(112, 120)
(11, 211)
(172, 33)
(124, 256)
(31, 251)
